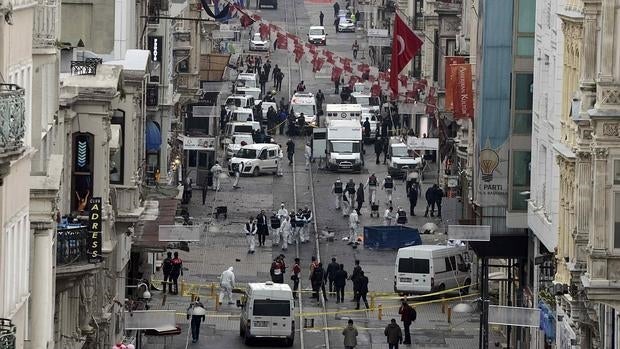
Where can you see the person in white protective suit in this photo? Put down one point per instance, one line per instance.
(388, 216)
(282, 213)
(216, 170)
(227, 283)
(354, 222)
(285, 229)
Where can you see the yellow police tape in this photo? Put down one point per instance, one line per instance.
(193, 289)
(348, 311)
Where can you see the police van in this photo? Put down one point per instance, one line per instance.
(426, 269)
(304, 102)
(267, 311)
(342, 112)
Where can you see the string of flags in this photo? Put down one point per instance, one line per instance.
(409, 90)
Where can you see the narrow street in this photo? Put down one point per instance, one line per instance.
(224, 244)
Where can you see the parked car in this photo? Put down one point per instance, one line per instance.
(256, 158)
(258, 44)
(317, 35)
(345, 24)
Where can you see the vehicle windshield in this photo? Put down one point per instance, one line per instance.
(242, 117)
(233, 101)
(344, 147)
(245, 153)
(307, 109)
(246, 83)
(413, 266)
(243, 129)
(399, 152)
(267, 307)
(316, 32)
(257, 37)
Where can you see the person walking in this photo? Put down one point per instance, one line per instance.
(378, 149)
(350, 335)
(205, 187)
(307, 216)
(308, 155)
(366, 127)
(277, 271)
(355, 48)
(223, 113)
(250, 233)
(340, 281)
(318, 282)
(388, 216)
(336, 8)
(430, 197)
(272, 118)
(274, 225)
(227, 283)
(359, 198)
(336, 22)
(290, 150)
(413, 199)
(388, 186)
(362, 290)
(175, 272)
(274, 73)
(337, 190)
(279, 78)
(438, 197)
(282, 116)
(354, 222)
(337, 80)
(350, 196)
(320, 99)
(394, 334)
(295, 277)
(263, 77)
(262, 226)
(238, 170)
(281, 214)
(355, 274)
(321, 17)
(371, 183)
(407, 316)
(330, 274)
(286, 230)
(267, 68)
(166, 267)
(196, 311)
(217, 175)
(412, 180)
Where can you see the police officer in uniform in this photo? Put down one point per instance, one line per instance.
(388, 186)
(401, 216)
(275, 224)
(372, 188)
(337, 190)
(350, 193)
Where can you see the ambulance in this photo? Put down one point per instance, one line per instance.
(304, 102)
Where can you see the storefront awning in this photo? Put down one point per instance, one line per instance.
(147, 238)
(153, 136)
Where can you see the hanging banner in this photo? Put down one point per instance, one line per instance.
(95, 240)
(463, 93)
(450, 79)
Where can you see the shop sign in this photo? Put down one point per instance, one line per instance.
(94, 227)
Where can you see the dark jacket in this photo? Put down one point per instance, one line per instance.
(430, 195)
(166, 265)
(360, 196)
(407, 313)
(413, 196)
(356, 273)
(332, 268)
(340, 280)
(318, 275)
(290, 147)
(393, 333)
(361, 284)
(438, 194)
(378, 146)
(262, 224)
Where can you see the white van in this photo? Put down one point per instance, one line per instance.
(317, 35)
(242, 115)
(237, 141)
(267, 311)
(239, 101)
(366, 100)
(235, 128)
(304, 102)
(431, 268)
(256, 159)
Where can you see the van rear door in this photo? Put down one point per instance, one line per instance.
(276, 314)
(414, 274)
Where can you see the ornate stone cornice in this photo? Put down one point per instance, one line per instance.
(601, 153)
(583, 155)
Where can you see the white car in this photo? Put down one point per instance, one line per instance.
(258, 44)
(238, 141)
(256, 159)
(346, 25)
(317, 35)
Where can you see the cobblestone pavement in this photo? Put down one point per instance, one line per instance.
(223, 244)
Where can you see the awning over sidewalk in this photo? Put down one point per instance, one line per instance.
(148, 238)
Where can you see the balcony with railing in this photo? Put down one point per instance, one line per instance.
(45, 29)
(12, 117)
(88, 66)
(72, 246)
(7, 334)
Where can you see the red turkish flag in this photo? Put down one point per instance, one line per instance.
(403, 80)
(246, 21)
(330, 60)
(263, 29)
(317, 64)
(299, 52)
(336, 72)
(273, 27)
(256, 17)
(405, 46)
(282, 42)
(352, 80)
